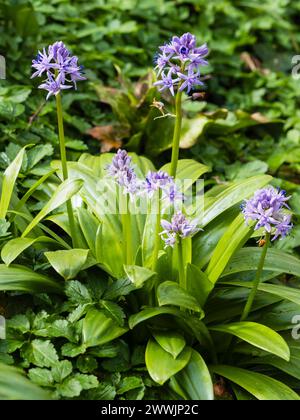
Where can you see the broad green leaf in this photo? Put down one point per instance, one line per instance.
(258, 335)
(61, 370)
(292, 367)
(170, 293)
(68, 263)
(9, 179)
(261, 386)
(198, 284)
(63, 193)
(41, 376)
(89, 225)
(41, 353)
(138, 275)
(194, 325)
(20, 278)
(13, 248)
(99, 329)
(188, 170)
(233, 195)
(170, 341)
(233, 239)
(194, 382)
(276, 261)
(286, 292)
(14, 386)
(161, 365)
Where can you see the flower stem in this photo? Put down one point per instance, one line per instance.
(126, 228)
(157, 229)
(249, 303)
(176, 136)
(63, 157)
(256, 281)
(181, 268)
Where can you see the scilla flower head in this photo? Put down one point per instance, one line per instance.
(268, 208)
(179, 227)
(121, 169)
(178, 64)
(60, 68)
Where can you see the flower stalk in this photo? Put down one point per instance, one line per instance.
(63, 157)
(177, 132)
(256, 281)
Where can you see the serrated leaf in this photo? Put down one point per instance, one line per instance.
(41, 353)
(61, 370)
(42, 377)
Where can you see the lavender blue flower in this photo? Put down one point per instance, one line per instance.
(60, 67)
(267, 208)
(179, 227)
(122, 171)
(167, 82)
(157, 180)
(178, 63)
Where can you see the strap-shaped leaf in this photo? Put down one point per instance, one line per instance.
(261, 386)
(276, 260)
(258, 335)
(63, 193)
(18, 277)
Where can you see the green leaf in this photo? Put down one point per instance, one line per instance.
(9, 179)
(70, 388)
(62, 194)
(89, 225)
(128, 383)
(138, 275)
(198, 284)
(194, 325)
(21, 278)
(188, 170)
(19, 323)
(99, 329)
(194, 382)
(68, 263)
(73, 350)
(276, 261)
(285, 292)
(161, 365)
(42, 377)
(41, 353)
(170, 341)
(86, 381)
(258, 335)
(77, 292)
(13, 248)
(61, 370)
(233, 239)
(86, 364)
(233, 195)
(14, 386)
(261, 386)
(170, 293)
(114, 311)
